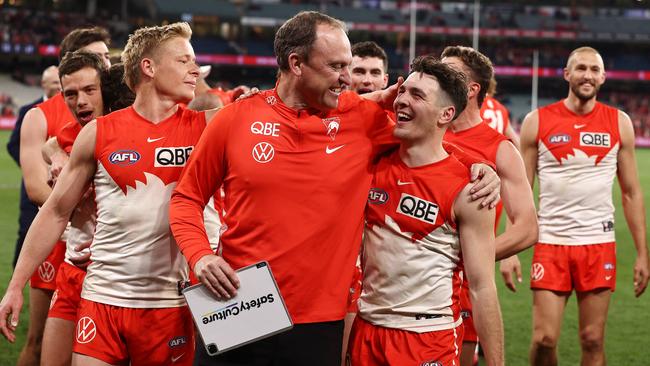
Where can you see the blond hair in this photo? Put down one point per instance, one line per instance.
(143, 43)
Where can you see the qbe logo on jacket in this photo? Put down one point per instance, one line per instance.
(418, 208)
(167, 157)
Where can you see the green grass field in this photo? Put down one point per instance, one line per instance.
(628, 327)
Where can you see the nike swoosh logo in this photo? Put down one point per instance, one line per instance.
(174, 359)
(332, 150)
(149, 139)
(400, 183)
(576, 126)
(607, 278)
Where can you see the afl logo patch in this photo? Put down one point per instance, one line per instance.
(560, 138)
(124, 157)
(377, 196)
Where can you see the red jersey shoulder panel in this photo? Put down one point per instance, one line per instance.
(480, 141)
(562, 131)
(56, 114)
(128, 145)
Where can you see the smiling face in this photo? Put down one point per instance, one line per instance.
(420, 107)
(326, 73)
(585, 73)
(175, 71)
(83, 95)
(368, 74)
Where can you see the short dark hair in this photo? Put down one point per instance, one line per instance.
(115, 93)
(452, 82)
(298, 34)
(82, 37)
(77, 60)
(479, 65)
(370, 49)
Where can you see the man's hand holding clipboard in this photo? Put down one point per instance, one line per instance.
(255, 311)
(217, 276)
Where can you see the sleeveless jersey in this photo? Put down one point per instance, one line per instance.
(56, 114)
(576, 165)
(495, 114)
(412, 256)
(483, 142)
(135, 259)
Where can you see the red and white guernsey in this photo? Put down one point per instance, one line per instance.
(135, 260)
(495, 114)
(411, 257)
(577, 160)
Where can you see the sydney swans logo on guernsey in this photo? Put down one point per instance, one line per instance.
(332, 125)
(263, 152)
(46, 272)
(124, 157)
(86, 330)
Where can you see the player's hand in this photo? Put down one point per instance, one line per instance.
(217, 275)
(508, 267)
(82, 261)
(10, 307)
(385, 97)
(488, 186)
(252, 91)
(240, 90)
(641, 274)
(59, 160)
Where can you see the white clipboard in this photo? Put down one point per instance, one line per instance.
(258, 311)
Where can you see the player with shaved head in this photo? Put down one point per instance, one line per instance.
(577, 146)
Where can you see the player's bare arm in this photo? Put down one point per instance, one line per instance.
(512, 135)
(528, 140)
(49, 224)
(632, 199)
(477, 245)
(55, 157)
(32, 137)
(518, 203)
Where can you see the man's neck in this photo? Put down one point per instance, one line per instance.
(152, 106)
(579, 106)
(470, 117)
(419, 153)
(288, 93)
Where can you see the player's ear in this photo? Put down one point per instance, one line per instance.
(473, 89)
(295, 64)
(147, 67)
(447, 115)
(565, 72)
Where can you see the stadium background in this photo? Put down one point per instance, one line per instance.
(236, 37)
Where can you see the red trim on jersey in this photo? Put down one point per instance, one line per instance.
(57, 114)
(560, 129)
(67, 135)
